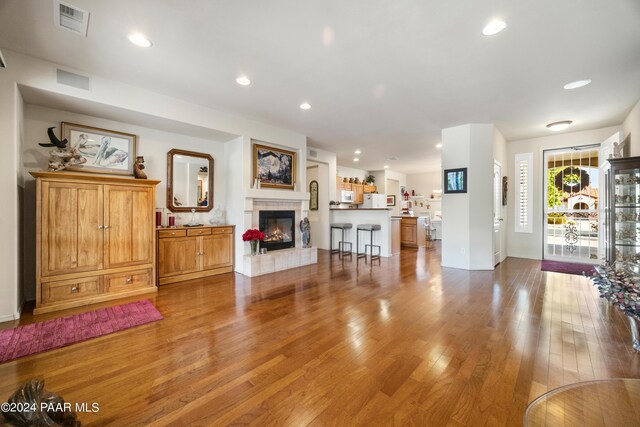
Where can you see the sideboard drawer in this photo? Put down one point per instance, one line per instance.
(128, 280)
(67, 290)
(222, 230)
(199, 232)
(171, 233)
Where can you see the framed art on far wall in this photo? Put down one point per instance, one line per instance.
(106, 151)
(274, 167)
(455, 180)
(391, 200)
(313, 193)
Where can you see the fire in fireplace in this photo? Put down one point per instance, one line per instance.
(278, 228)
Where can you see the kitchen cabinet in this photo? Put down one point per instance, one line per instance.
(369, 189)
(412, 233)
(358, 193)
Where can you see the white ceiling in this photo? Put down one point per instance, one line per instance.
(382, 76)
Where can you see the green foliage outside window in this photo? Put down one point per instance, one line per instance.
(555, 196)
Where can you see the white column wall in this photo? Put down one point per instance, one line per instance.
(455, 207)
(467, 218)
(631, 126)
(10, 298)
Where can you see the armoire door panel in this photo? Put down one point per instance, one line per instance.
(71, 238)
(216, 251)
(119, 225)
(144, 225)
(129, 220)
(90, 231)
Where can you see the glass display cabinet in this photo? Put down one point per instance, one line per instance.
(622, 223)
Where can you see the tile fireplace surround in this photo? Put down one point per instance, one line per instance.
(283, 259)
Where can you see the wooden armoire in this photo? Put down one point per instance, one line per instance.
(95, 239)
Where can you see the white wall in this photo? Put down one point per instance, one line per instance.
(393, 188)
(455, 207)
(327, 172)
(380, 183)
(467, 218)
(347, 172)
(631, 126)
(10, 104)
(425, 183)
(530, 245)
(320, 219)
(500, 155)
(233, 184)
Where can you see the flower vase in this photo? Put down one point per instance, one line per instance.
(635, 342)
(254, 247)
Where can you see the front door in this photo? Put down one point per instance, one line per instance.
(572, 197)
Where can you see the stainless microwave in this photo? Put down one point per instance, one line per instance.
(347, 196)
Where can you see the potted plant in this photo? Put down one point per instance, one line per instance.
(253, 236)
(371, 180)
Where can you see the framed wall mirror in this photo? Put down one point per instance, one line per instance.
(189, 181)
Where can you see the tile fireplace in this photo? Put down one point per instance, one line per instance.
(279, 229)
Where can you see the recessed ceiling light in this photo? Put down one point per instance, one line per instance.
(355, 159)
(439, 145)
(494, 27)
(558, 126)
(386, 166)
(305, 106)
(139, 40)
(577, 84)
(357, 152)
(243, 81)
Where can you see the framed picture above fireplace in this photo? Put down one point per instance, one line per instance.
(274, 167)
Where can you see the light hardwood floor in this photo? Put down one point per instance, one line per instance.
(405, 342)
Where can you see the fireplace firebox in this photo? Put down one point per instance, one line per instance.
(278, 228)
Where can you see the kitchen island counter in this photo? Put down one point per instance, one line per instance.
(357, 216)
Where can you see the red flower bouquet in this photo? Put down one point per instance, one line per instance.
(252, 234)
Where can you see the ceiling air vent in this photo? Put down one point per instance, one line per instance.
(3, 63)
(70, 17)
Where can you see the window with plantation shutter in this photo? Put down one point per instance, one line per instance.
(523, 190)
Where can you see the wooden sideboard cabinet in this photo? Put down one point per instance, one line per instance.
(186, 253)
(94, 239)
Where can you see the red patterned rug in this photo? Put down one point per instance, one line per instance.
(567, 267)
(55, 333)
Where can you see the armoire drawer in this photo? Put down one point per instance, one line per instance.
(129, 280)
(67, 290)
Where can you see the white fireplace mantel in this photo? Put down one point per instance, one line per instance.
(271, 194)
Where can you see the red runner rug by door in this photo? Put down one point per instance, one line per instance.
(55, 333)
(567, 267)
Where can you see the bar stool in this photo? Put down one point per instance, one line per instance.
(342, 243)
(370, 228)
(429, 233)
